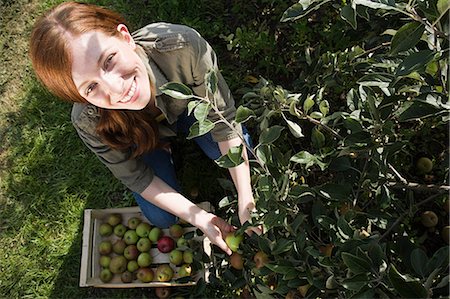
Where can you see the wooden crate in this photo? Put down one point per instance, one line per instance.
(90, 268)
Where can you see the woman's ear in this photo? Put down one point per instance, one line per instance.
(126, 34)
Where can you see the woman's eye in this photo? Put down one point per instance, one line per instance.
(90, 88)
(108, 61)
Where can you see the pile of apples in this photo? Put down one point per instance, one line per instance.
(125, 250)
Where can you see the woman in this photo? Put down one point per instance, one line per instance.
(85, 54)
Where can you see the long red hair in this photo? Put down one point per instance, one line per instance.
(52, 63)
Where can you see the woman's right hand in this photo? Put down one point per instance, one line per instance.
(216, 229)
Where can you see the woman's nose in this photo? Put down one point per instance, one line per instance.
(114, 85)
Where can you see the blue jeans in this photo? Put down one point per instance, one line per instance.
(161, 162)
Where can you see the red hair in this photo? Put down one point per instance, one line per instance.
(52, 63)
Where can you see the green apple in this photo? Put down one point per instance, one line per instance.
(119, 246)
(182, 242)
(429, 219)
(145, 274)
(261, 259)
(130, 237)
(188, 257)
(114, 219)
(105, 229)
(126, 277)
(155, 234)
(106, 275)
(164, 273)
(176, 231)
(131, 252)
(143, 229)
(144, 244)
(176, 257)
(105, 247)
(233, 241)
(119, 230)
(118, 264)
(133, 222)
(132, 265)
(104, 261)
(236, 261)
(424, 165)
(185, 270)
(144, 259)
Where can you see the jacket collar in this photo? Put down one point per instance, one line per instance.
(153, 70)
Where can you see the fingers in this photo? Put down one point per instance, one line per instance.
(254, 229)
(222, 245)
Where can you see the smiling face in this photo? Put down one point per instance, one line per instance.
(107, 72)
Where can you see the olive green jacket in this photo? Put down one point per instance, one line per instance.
(171, 53)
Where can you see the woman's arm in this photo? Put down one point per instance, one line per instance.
(241, 179)
(162, 195)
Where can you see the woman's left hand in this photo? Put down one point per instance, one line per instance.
(246, 207)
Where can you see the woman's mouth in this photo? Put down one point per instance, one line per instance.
(131, 92)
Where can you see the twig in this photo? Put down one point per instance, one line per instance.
(419, 187)
(404, 181)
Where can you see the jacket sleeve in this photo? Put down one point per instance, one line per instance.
(133, 173)
(204, 59)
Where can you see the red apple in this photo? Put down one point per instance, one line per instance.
(166, 244)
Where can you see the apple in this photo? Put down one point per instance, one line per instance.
(429, 219)
(188, 257)
(133, 222)
(132, 265)
(176, 257)
(126, 277)
(144, 259)
(162, 292)
(331, 283)
(261, 259)
(447, 205)
(445, 233)
(303, 289)
(119, 230)
(176, 231)
(143, 229)
(185, 270)
(144, 244)
(114, 219)
(105, 229)
(119, 246)
(166, 244)
(130, 237)
(155, 234)
(233, 241)
(118, 264)
(145, 274)
(424, 165)
(104, 261)
(106, 275)
(164, 273)
(131, 252)
(236, 261)
(182, 242)
(105, 247)
(327, 250)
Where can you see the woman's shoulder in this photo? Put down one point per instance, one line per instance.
(85, 117)
(165, 36)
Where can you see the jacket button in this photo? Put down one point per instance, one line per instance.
(90, 111)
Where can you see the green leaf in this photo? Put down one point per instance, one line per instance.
(317, 138)
(407, 37)
(443, 6)
(356, 282)
(381, 80)
(344, 229)
(415, 110)
(201, 111)
(439, 259)
(177, 90)
(301, 9)
(271, 134)
(356, 264)
(419, 261)
(232, 159)
(324, 107)
(200, 128)
(349, 15)
(243, 114)
(376, 253)
(191, 106)
(211, 80)
(309, 160)
(406, 287)
(281, 246)
(414, 62)
(295, 129)
(376, 4)
(308, 104)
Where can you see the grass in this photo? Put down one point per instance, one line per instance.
(43, 189)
